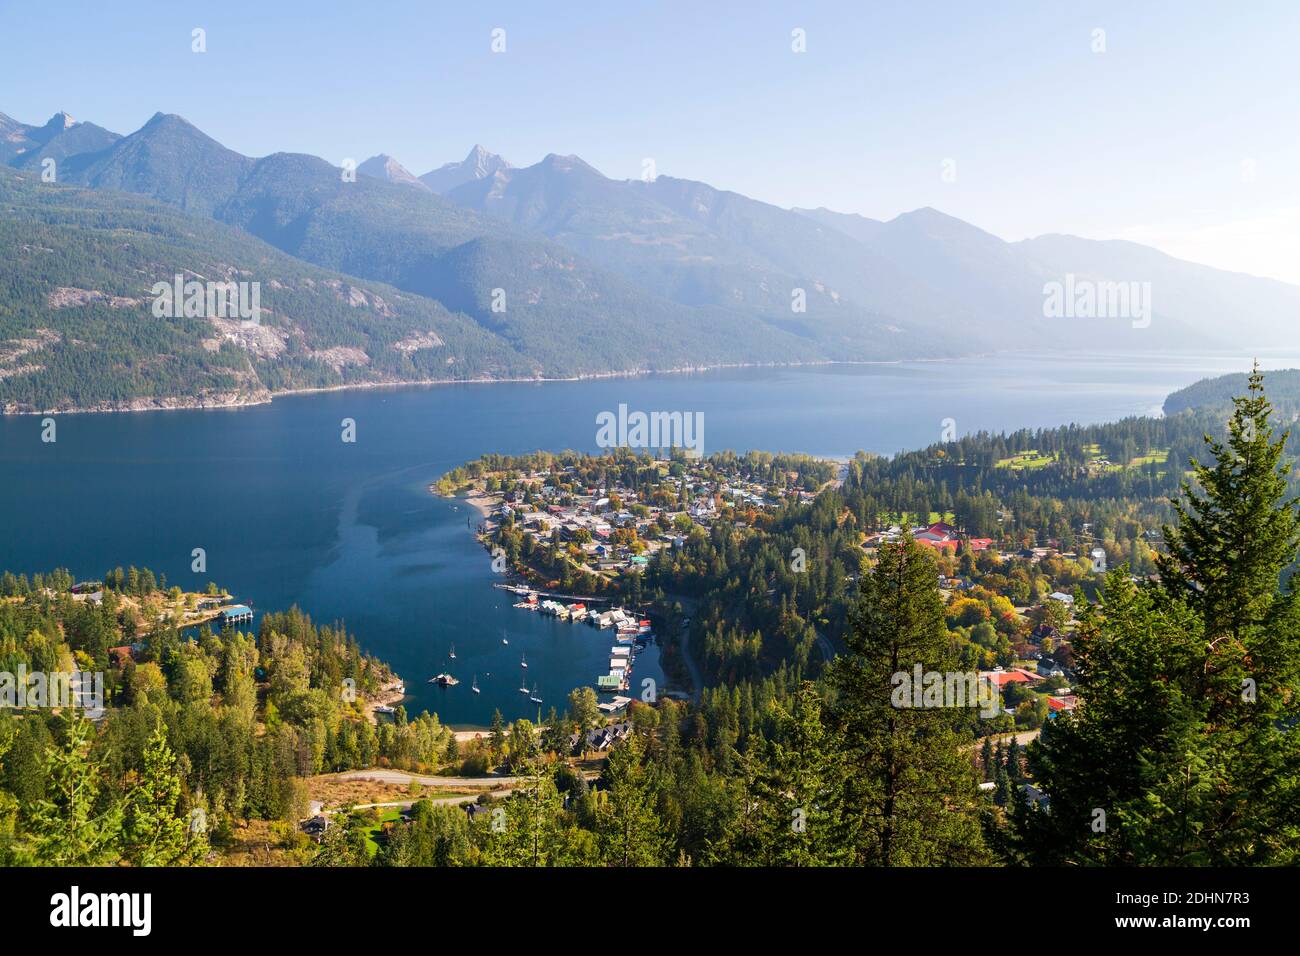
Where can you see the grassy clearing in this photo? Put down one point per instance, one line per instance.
(912, 518)
(1026, 459)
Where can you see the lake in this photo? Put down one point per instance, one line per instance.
(289, 513)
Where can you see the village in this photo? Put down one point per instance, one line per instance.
(1015, 605)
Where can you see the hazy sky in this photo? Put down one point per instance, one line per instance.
(1183, 133)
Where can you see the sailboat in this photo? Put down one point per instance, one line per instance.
(523, 688)
(474, 685)
(533, 697)
(452, 655)
(522, 661)
(503, 637)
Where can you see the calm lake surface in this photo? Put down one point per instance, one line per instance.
(288, 513)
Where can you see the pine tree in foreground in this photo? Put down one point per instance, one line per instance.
(155, 832)
(1186, 749)
(909, 792)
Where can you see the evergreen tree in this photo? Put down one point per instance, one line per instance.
(531, 828)
(630, 831)
(156, 833)
(797, 789)
(71, 826)
(910, 795)
(497, 737)
(1185, 740)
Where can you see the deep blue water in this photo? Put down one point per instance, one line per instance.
(288, 513)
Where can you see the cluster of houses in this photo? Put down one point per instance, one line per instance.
(590, 517)
(1056, 703)
(943, 537)
(600, 739)
(940, 536)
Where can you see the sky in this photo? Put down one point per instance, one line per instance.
(1168, 123)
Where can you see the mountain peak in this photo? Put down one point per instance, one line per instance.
(168, 121)
(484, 162)
(479, 164)
(567, 164)
(939, 223)
(387, 168)
(60, 121)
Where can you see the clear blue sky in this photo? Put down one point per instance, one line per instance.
(1183, 134)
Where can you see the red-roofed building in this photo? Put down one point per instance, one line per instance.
(1062, 705)
(1001, 679)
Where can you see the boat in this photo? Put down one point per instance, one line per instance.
(443, 680)
(523, 662)
(474, 685)
(533, 696)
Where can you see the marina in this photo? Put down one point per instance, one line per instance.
(631, 632)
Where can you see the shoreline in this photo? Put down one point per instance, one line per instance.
(178, 403)
(189, 404)
(266, 397)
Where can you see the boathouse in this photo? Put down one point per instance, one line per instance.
(235, 614)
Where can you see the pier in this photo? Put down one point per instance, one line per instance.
(553, 595)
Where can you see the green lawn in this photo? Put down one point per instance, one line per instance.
(911, 518)
(1026, 459)
(1035, 459)
(390, 815)
(1157, 457)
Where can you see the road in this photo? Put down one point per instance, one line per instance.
(697, 679)
(384, 775)
(824, 645)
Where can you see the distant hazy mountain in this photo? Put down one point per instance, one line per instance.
(581, 274)
(479, 164)
(851, 224)
(1240, 310)
(1193, 306)
(706, 247)
(390, 170)
(923, 270)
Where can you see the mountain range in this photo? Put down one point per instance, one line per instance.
(555, 270)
